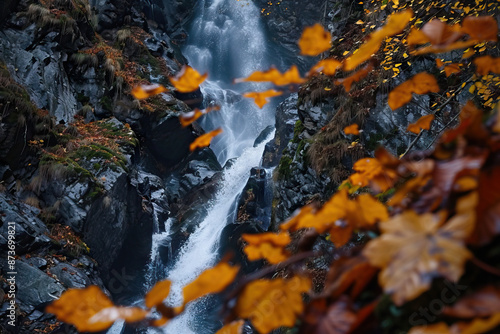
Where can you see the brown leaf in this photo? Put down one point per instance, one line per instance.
(440, 34)
(483, 303)
(144, 91)
(423, 123)
(213, 280)
(270, 304)
(439, 328)
(487, 64)
(157, 293)
(204, 140)
(451, 69)
(262, 98)
(413, 249)
(269, 246)
(314, 40)
(188, 80)
(346, 272)
(481, 28)
(421, 83)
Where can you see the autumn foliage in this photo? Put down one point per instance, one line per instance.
(412, 223)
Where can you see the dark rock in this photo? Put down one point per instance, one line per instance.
(254, 203)
(286, 117)
(263, 135)
(70, 276)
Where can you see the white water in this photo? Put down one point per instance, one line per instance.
(226, 40)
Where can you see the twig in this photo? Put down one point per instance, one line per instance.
(412, 143)
(486, 267)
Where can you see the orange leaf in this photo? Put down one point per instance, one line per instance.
(212, 280)
(487, 64)
(370, 171)
(270, 304)
(235, 327)
(158, 293)
(416, 37)
(204, 140)
(292, 76)
(395, 24)
(441, 34)
(439, 328)
(314, 40)
(451, 69)
(190, 117)
(421, 83)
(188, 80)
(423, 123)
(415, 248)
(78, 307)
(352, 129)
(144, 91)
(355, 77)
(295, 223)
(482, 28)
(261, 98)
(327, 66)
(269, 246)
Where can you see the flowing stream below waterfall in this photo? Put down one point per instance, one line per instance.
(227, 41)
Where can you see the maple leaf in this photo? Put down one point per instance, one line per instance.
(144, 91)
(292, 76)
(269, 246)
(235, 327)
(423, 123)
(327, 66)
(188, 118)
(212, 280)
(158, 293)
(262, 98)
(314, 40)
(78, 307)
(487, 64)
(413, 249)
(355, 77)
(421, 83)
(270, 304)
(395, 24)
(188, 80)
(204, 140)
(352, 129)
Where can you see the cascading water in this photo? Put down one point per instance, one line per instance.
(226, 40)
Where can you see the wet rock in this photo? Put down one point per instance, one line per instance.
(254, 203)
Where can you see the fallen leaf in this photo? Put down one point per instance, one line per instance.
(421, 83)
(451, 69)
(395, 24)
(188, 80)
(213, 280)
(269, 246)
(261, 98)
(314, 40)
(144, 91)
(270, 304)
(352, 129)
(423, 123)
(204, 140)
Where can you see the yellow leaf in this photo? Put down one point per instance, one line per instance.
(144, 91)
(204, 140)
(314, 40)
(270, 304)
(213, 280)
(269, 246)
(188, 80)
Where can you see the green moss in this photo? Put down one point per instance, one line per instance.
(297, 130)
(107, 103)
(284, 170)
